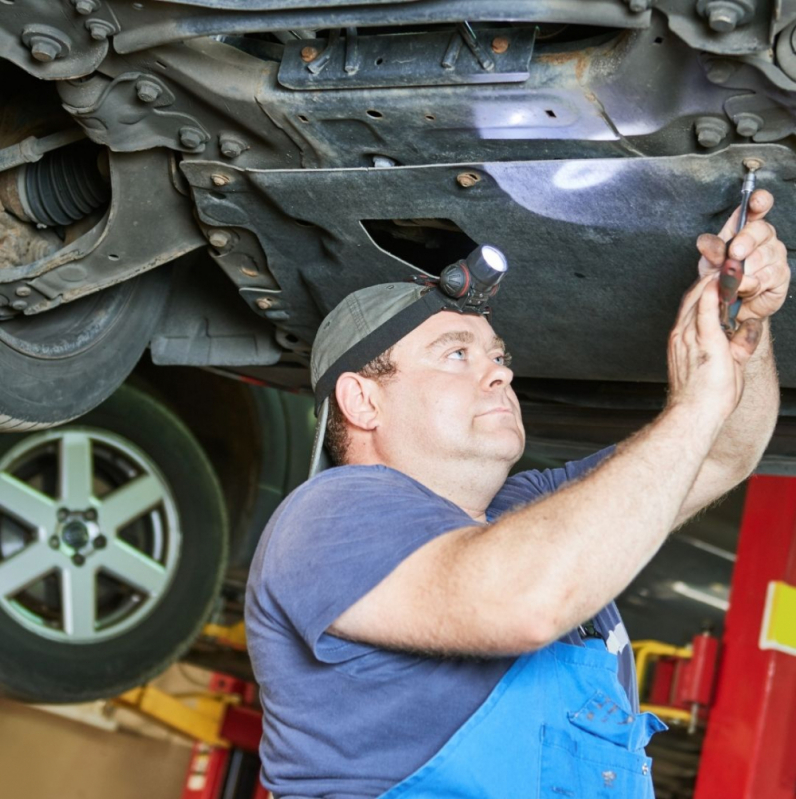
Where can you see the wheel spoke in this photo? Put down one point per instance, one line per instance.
(79, 601)
(28, 505)
(24, 568)
(129, 502)
(76, 471)
(134, 568)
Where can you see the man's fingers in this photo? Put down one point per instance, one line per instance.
(691, 298)
(746, 338)
(754, 235)
(760, 203)
(712, 248)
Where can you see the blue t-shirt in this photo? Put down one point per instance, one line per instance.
(344, 719)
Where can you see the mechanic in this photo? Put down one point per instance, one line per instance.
(420, 623)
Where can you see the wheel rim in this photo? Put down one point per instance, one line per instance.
(89, 535)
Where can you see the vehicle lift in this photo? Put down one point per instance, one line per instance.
(742, 692)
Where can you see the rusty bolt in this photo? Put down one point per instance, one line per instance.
(467, 179)
(85, 7)
(23, 291)
(191, 138)
(309, 53)
(147, 90)
(99, 29)
(219, 239)
(264, 303)
(711, 130)
(753, 164)
(500, 44)
(747, 124)
(44, 48)
(220, 180)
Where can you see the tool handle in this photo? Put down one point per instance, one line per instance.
(730, 279)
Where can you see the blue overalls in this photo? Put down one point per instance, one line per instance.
(557, 725)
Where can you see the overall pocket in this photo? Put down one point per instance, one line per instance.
(599, 754)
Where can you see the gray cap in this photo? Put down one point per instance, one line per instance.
(362, 327)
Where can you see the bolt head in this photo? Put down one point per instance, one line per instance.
(45, 49)
(219, 239)
(55, 542)
(637, 6)
(747, 125)
(23, 291)
(19, 305)
(709, 138)
(90, 515)
(100, 542)
(99, 31)
(62, 514)
(723, 19)
(467, 179)
(85, 6)
(148, 91)
(78, 559)
(500, 44)
(309, 53)
(753, 164)
(231, 148)
(220, 180)
(191, 138)
(264, 303)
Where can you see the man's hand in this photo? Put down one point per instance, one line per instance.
(765, 283)
(705, 369)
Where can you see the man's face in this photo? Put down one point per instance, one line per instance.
(451, 397)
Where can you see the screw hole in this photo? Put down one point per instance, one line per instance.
(113, 257)
(303, 118)
(550, 113)
(659, 40)
(373, 114)
(291, 338)
(379, 61)
(430, 117)
(579, 274)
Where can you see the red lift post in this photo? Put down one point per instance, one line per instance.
(749, 749)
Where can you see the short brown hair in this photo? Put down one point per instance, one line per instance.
(337, 441)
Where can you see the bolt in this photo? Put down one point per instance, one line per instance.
(264, 303)
(191, 138)
(99, 29)
(148, 91)
(85, 7)
(720, 71)
(78, 559)
(23, 291)
(44, 48)
(723, 18)
(90, 515)
(711, 130)
(100, 542)
(753, 164)
(500, 44)
(747, 124)
(309, 53)
(219, 239)
(467, 179)
(249, 272)
(62, 514)
(637, 6)
(55, 542)
(19, 305)
(232, 147)
(220, 180)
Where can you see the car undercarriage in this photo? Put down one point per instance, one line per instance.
(310, 149)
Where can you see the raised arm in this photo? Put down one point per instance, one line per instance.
(522, 582)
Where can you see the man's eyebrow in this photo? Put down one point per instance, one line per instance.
(462, 336)
(498, 344)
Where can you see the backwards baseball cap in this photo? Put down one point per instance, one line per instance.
(370, 321)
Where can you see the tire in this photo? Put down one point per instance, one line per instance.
(144, 465)
(59, 364)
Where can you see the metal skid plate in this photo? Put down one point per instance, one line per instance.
(600, 250)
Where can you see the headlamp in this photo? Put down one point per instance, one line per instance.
(473, 281)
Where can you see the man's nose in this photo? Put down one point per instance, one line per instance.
(497, 375)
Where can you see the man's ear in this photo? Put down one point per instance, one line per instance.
(356, 397)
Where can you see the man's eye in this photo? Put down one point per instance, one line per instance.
(458, 355)
(503, 360)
